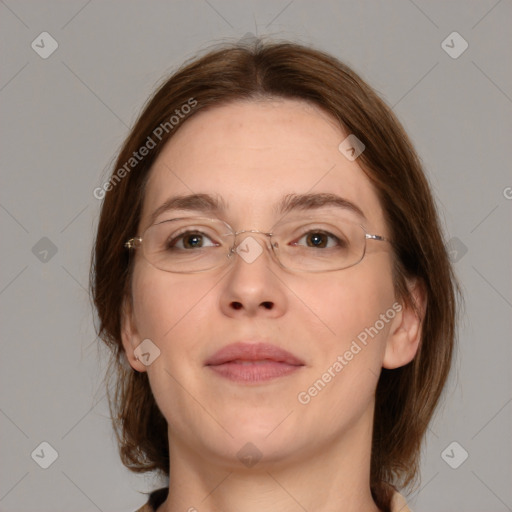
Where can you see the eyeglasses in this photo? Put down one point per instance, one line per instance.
(320, 243)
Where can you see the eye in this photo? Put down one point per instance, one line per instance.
(320, 239)
(190, 240)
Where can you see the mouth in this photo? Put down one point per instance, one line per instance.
(253, 362)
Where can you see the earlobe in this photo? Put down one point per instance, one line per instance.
(130, 336)
(405, 334)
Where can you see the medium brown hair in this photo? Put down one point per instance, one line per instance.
(405, 397)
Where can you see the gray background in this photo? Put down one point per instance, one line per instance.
(63, 119)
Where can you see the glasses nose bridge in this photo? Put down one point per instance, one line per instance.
(236, 233)
(237, 240)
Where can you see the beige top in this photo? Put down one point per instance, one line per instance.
(398, 503)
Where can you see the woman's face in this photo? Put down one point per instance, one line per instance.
(252, 155)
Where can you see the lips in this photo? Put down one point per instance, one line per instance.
(253, 362)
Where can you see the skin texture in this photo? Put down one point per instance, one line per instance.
(316, 455)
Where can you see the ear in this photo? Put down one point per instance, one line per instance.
(405, 333)
(130, 336)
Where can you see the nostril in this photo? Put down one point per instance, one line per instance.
(268, 305)
(236, 305)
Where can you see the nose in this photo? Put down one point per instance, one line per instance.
(252, 286)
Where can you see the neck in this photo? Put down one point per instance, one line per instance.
(333, 476)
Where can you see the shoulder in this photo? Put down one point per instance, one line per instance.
(145, 508)
(398, 503)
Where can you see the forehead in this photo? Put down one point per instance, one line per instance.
(251, 154)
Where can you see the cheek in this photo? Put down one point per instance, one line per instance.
(170, 310)
(164, 303)
(357, 308)
(349, 314)
(350, 300)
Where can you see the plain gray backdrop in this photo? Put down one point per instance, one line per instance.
(64, 116)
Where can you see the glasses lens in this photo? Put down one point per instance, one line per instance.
(187, 244)
(317, 243)
(320, 244)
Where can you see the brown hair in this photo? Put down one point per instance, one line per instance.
(405, 397)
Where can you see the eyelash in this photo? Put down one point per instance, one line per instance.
(171, 244)
(323, 232)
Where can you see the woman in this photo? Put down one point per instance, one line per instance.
(270, 265)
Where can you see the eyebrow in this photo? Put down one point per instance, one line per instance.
(205, 203)
(212, 204)
(316, 201)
